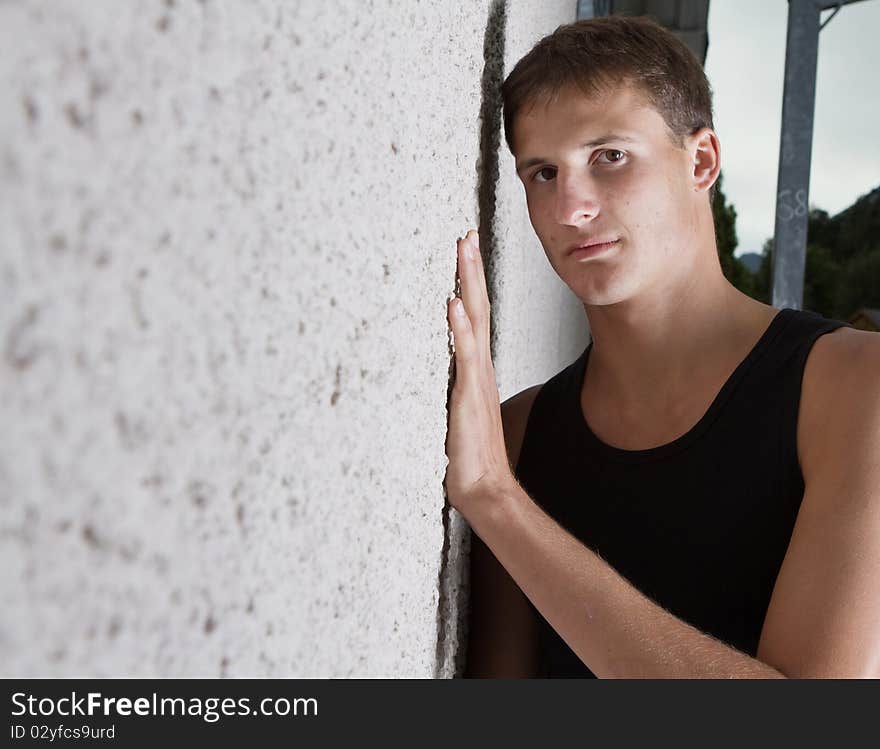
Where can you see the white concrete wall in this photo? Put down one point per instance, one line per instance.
(538, 325)
(228, 242)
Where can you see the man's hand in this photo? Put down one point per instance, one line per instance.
(475, 441)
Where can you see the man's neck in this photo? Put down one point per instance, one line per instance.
(649, 350)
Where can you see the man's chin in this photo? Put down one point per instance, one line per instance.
(599, 291)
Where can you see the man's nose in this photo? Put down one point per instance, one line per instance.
(576, 199)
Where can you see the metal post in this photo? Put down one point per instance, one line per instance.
(793, 183)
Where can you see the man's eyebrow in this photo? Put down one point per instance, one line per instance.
(607, 138)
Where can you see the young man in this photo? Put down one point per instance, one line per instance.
(698, 495)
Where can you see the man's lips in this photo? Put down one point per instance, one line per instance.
(592, 246)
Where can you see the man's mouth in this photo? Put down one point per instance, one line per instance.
(592, 247)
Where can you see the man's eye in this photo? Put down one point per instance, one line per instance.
(611, 156)
(542, 176)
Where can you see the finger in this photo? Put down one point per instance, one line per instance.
(474, 290)
(462, 333)
(473, 285)
(481, 271)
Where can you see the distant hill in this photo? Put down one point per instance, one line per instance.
(752, 260)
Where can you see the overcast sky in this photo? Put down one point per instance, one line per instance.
(745, 64)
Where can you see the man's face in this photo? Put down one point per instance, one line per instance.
(605, 170)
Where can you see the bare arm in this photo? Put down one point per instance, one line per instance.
(824, 616)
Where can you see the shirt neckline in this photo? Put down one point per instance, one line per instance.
(708, 418)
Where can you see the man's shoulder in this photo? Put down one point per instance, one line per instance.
(821, 620)
(840, 392)
(522, 400)
(843, 355)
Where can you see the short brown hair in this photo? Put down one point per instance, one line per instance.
(597, 53)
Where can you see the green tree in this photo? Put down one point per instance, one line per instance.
(821, 281)
(858, 228)
(764, 276)
(859, 284)
(823, 230)
(842, 272)
(724, 216)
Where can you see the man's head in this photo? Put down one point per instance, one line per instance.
(602, 54)
(610, 122)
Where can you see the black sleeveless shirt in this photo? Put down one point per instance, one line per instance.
(701, 524)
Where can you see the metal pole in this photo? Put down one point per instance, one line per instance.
(793, 183)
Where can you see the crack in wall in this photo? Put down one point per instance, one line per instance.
(452, 584)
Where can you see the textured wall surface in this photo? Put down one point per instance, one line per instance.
(538, 325)
(228, 244)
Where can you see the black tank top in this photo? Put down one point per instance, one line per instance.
(701, 524)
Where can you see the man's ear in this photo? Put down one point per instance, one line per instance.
(705, 148)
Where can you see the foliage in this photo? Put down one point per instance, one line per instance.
(724, 215)
(842, 272)
(859, 283)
